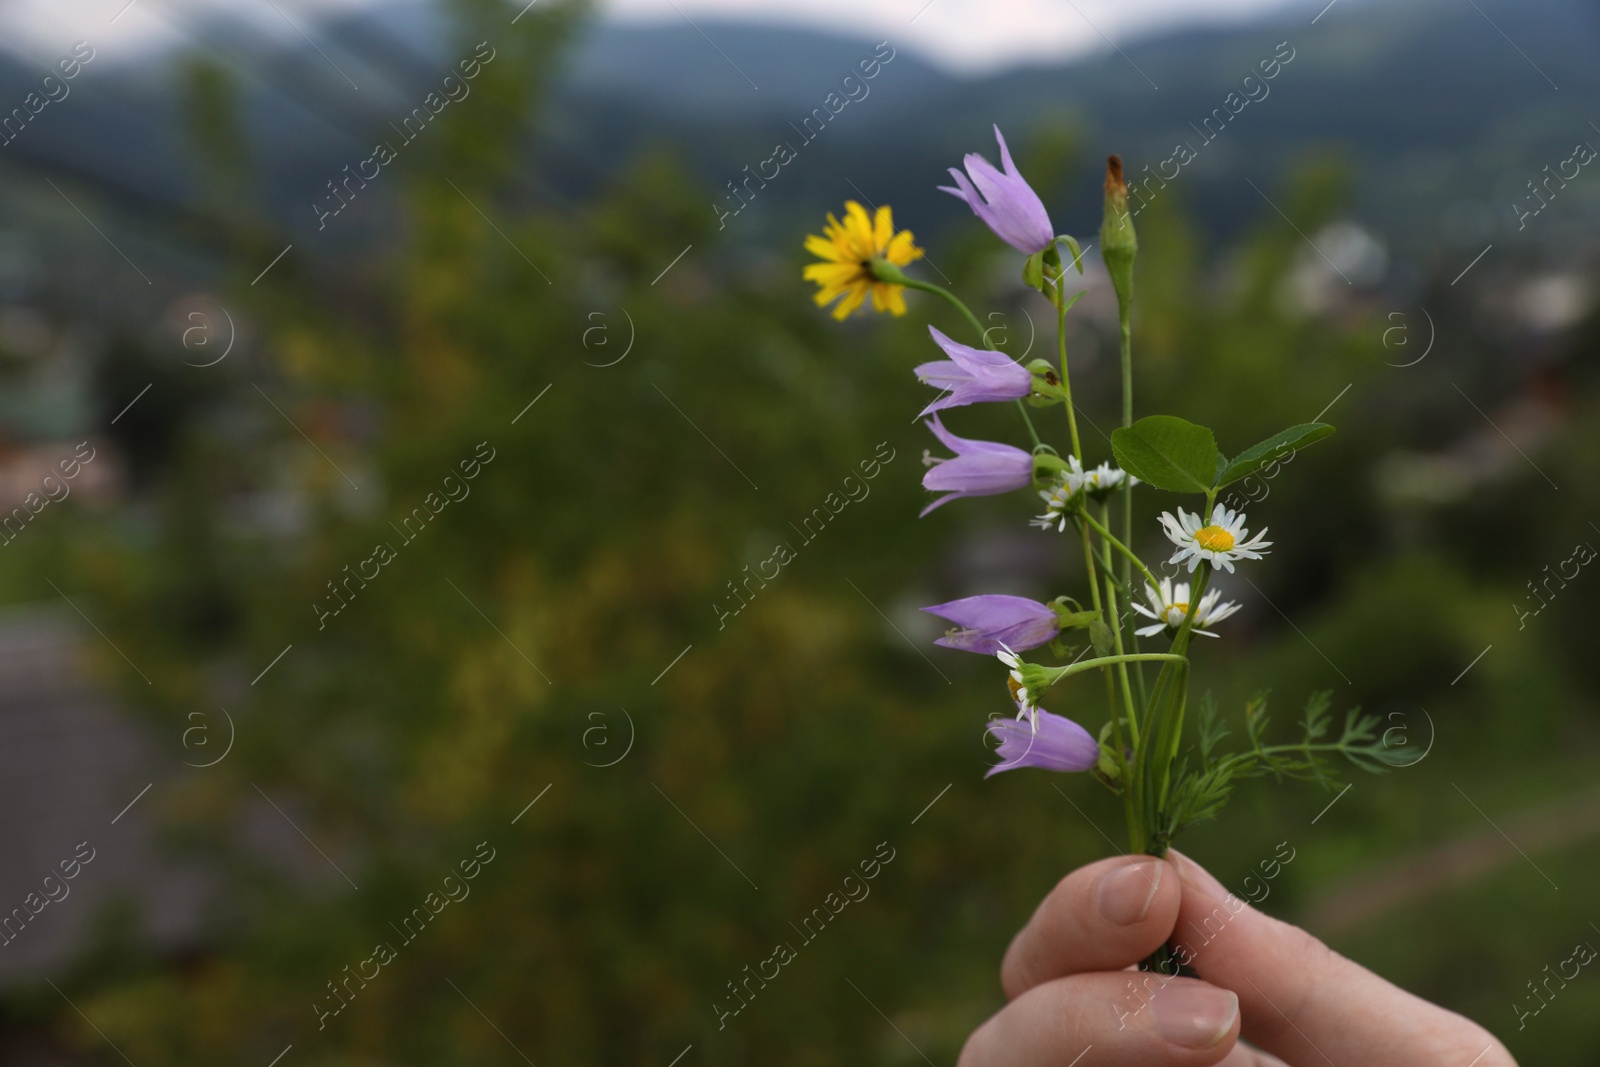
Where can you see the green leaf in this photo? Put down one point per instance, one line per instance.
(1212, 730)
(1077, 253)
(1273, 450)
(1033, 271)
(1255, 719)
(1317, 715)
(1100, 634)
(1168, 452)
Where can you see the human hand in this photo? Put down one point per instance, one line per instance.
(1073, 993)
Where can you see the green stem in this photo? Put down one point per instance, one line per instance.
(1120, 547)
(1060, 302)
(1175, 736)
(1027, 421)
(1306, 748)
(1105, 661)
(1116, 633)
(955, 301)
(1164, 729)
(1094, 597)
(983, 338)
(1125, 322)
(1129, 790)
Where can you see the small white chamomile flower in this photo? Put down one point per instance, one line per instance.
(1061, 499)
(1026, 702)
(1219, 542)
(1071, 485)
(1170, 603)
(1105, 478)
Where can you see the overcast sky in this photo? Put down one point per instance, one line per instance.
(969, 35)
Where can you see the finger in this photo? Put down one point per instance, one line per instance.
(1101, 917)
(1307, 1004)
(1120, 1019)
(1245, 1056)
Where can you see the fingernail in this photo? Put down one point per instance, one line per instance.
(1125, 893)
(1194, 1015)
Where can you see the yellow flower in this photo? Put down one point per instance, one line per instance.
(847, 251)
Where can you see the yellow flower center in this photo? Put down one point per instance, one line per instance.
(1175, 613)
(1015, 687)
(1213, 539)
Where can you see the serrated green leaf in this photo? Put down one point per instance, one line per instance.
(1317, 715)
(1273, 450)
(1211, 728)
(1168, 452)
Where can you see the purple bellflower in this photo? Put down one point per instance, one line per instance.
(978, 468)
(1004, 201)
(989, 622)
(972, 375)
(1055, 744)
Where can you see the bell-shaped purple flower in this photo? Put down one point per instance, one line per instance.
(978, 468)
(972, 375)
(1004, 201)
(988, 622)
(1056, 744)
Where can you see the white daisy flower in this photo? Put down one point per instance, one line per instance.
(1061, 499)
(1104, 478)
(1026, 703)
(1219, 543)
(1171, 603)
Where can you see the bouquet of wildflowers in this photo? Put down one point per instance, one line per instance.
(1139, 753)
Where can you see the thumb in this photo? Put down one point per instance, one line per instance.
(1307, 1004)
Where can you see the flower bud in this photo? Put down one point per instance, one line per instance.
(1118, 245)
(1046, 465)
(1036, 678)
(1046, 389)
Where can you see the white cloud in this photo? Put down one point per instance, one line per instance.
(964, 35)
(120, 30)
(967, 35)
